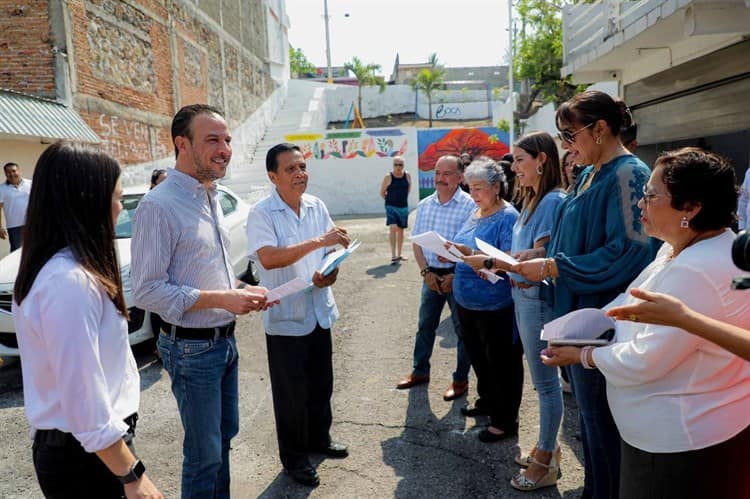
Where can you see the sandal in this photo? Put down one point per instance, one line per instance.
(525, 461)
(395, 260)
(520, 482)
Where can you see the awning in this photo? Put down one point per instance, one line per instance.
(27, 116)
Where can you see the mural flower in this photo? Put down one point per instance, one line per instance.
(475, 141)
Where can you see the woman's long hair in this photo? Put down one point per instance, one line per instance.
(71, 206)
(534, 144)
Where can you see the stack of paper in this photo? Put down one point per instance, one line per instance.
(434, 242)
(587, 326)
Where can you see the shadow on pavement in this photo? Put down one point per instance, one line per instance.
(382, 271)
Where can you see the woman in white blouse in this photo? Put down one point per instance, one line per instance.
(81, 384)
(681, 403)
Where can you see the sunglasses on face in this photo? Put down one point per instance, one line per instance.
(570, 137)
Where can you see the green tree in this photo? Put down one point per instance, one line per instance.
(430, 79)
(365, 74)
(539, 52)
(299, 64)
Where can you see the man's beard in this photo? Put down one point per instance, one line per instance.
(204, 171)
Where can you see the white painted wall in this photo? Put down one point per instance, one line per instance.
(454, 110)
(543, 120)
(352, 186)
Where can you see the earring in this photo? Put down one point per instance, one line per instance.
(539, 170)
(599, 140)
(685, 223)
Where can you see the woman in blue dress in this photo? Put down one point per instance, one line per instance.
(597, 247)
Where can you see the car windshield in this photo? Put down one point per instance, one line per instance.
(124, 226)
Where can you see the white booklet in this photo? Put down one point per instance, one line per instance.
(587, 326)
(287, 289)
(334, 259)
(434, 242)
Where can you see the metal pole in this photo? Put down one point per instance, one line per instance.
(328, 42)
(512, 127)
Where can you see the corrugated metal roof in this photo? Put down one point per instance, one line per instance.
(29, 116)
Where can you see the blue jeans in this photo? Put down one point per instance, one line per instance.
(599, 434)
(204, 382)
(429, 319)
(531, 314)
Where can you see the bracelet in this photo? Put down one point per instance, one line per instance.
(543, 270)
(585, 357)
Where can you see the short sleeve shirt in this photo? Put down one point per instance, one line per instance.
(15, 200)
(445, 219)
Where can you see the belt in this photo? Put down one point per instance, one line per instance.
(57, 438)
(520, 284)
(442, 271)
(199, 333)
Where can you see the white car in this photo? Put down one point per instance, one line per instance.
(142, 325)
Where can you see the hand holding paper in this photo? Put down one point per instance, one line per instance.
(587, 326)
(434, 242)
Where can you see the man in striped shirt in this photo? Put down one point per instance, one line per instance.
(182, 271)
(444, 212)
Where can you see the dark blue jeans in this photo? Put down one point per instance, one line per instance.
(599, 434)
(15, 237)
(429, 319)
(205, 384)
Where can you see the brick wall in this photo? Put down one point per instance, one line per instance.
(26, 60)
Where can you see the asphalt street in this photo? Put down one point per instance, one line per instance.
(406, 444)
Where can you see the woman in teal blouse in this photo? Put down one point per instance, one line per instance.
(596, 248)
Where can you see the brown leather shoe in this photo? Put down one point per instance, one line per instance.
(457, 389)
(412, 380)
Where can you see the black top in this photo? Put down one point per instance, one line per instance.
(397, 193)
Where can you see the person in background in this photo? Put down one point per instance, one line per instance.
(485, 309)
(743, 208)
(444, 212)
(629, 136)
(181, 271)
(81, 385)
(596, 248)
(157, 177)
(570, 172)
(464, 161)
(537, 168)
(14, 198)
(395, 191)
(681, 402)
(289, 233)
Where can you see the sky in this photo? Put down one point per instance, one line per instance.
(461, 32)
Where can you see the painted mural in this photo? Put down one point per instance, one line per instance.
(351, 144)
(432, 143)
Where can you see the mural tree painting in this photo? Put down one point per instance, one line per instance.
(538, 52)
(365, 74)
(428, 80)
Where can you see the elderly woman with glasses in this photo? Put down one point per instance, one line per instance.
(486, 309)
(681, 402)
(597, 247)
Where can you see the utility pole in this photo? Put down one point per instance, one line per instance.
(328, 42)
(511, 97)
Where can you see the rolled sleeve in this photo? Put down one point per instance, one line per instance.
(74, 359)
(152, 246)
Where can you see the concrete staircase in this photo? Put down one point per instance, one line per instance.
(249, 179)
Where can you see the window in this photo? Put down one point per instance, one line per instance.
(227, 202)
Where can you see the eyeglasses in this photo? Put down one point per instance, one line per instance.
(398, 164)
(649, 196)
(570, 137)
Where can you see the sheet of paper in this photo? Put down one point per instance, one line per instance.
(580, 327)
(287, 289)
(493, 278)
(334, 259)
(490, 250)
(432, 241)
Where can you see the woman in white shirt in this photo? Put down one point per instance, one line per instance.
(81, 383)
(681, 403)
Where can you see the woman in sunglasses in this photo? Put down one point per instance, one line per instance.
(596, 248)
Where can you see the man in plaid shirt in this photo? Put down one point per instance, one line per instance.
(443, 212)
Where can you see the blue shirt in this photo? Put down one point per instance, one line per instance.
(272, 222)
(179, 248)
(598, 241)
(527, 232)
(470, 290)
(445, 219)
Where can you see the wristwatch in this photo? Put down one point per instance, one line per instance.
(489, 263)
(424, 271)
(135, 473)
